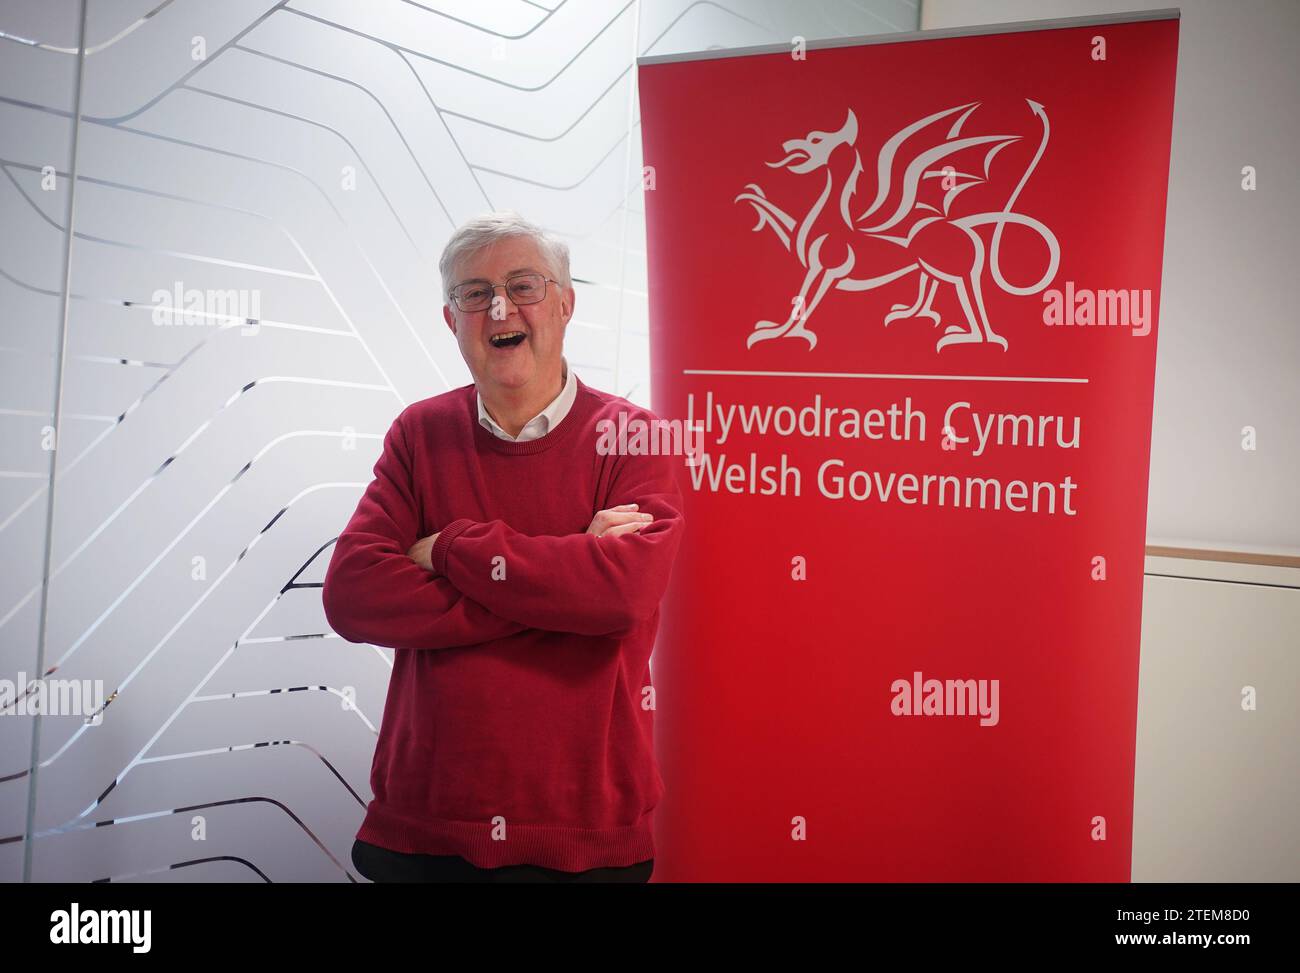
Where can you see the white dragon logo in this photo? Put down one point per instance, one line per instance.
(896, 216)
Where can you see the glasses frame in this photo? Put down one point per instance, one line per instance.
(506, 284)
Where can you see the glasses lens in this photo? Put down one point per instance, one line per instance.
(473, 295)
(526, 288)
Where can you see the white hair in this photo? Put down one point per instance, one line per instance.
(485, 230)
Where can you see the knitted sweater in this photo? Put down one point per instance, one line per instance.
(518, 727)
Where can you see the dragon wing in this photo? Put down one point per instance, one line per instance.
(920, 148)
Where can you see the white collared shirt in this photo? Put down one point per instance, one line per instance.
(544, 421)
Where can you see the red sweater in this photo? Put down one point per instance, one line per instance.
(515, 730)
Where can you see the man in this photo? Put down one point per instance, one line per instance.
(516, 568)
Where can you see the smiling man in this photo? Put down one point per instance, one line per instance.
(516, 570)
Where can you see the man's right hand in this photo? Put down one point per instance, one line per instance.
(622, 519)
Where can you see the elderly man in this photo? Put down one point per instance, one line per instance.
(516, 568)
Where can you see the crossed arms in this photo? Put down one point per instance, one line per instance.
(375, 591)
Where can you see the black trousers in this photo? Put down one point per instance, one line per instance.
(382, 865)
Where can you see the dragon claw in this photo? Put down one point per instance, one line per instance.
(899, 312)
(958, 337)
(764, 330)
(799, 331)
(771, 329)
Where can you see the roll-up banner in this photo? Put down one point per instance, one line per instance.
(904, 297)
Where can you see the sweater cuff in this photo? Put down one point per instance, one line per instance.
(438, 555)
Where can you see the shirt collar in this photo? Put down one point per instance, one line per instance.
(544, 421)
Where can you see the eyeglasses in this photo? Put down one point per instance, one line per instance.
(475, 295)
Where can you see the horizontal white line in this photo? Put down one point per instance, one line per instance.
(936, 378)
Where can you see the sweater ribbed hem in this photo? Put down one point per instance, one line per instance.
(563, 849)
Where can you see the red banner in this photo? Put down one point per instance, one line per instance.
(906, 294)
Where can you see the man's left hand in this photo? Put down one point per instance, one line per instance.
(421, 550)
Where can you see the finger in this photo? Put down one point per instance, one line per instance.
(623, 529)
(610, 518)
